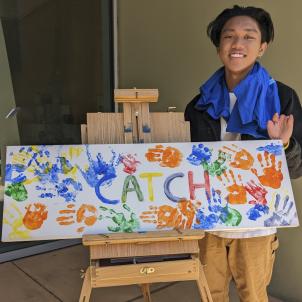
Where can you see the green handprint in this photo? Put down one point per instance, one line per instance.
(122, 223)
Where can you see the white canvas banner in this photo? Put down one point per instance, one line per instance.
(55, 192)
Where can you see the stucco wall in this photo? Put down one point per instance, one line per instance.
(163, 44)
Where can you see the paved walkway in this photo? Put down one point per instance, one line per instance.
(55, 276)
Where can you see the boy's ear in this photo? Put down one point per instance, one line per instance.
(262, 49)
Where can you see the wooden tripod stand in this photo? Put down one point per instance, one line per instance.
(135, 125)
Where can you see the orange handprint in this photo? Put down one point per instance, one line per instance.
(167, 216)
(67, 220)
(86, 214)
(272, 175)
(34, 217)
(242, 159)
(237, 192)
(168, 157)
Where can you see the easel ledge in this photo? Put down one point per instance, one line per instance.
(154, 236)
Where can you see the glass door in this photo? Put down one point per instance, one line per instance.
(60, 58)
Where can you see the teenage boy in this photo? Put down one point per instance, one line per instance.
(241, 101)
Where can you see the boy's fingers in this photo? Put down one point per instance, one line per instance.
(275, 118)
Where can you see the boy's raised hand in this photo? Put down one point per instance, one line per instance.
(281, 127)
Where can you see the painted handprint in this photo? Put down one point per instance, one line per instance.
(36, 214)
(257, 211)
(217, 214)
(241, 158)
(14, 179)
(260, 203)
(17, 191)
(167, 157)
(67, 215)
(257, 191)
(86, 215)
(272, 176)
(13, 217)
(121, 223)
(282, 214)
(202, 155)
(99, 173)
(32, 164)
(130, 163)
(272, 148)
(166, 216)
(237, 191)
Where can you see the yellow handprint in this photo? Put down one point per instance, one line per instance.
(14, 218)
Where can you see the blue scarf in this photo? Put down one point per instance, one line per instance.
(257, 101)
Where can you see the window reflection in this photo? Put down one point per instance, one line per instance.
(55, 55)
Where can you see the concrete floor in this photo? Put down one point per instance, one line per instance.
(55, 276)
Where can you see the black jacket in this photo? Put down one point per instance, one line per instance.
(205, 129)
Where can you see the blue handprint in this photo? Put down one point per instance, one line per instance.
(201, 155)
(281, 216)
(100, 173)
(256, 211)
(218, 214)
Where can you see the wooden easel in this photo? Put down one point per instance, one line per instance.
(135, 125)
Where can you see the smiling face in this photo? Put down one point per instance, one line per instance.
(240, 45)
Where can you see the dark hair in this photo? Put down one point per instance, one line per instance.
(261, 16)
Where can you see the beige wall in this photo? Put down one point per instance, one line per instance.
(163, 44)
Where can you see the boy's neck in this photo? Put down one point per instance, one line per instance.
(233, 79)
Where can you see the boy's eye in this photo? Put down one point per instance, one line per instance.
(249, 37)
(227, 37)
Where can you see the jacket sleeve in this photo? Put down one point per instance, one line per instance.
(293, 152)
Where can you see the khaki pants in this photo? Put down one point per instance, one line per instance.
(248, 261)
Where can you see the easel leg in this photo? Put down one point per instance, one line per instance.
(146, 292)
(203, 285)
(86, 287)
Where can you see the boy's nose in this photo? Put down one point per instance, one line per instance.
(237, 43)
